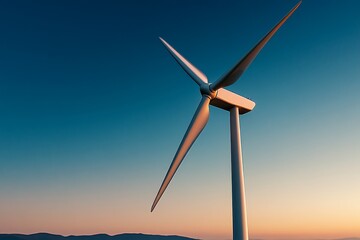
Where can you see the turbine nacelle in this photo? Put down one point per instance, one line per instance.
(226, 99)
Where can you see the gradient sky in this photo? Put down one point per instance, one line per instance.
(93, 109)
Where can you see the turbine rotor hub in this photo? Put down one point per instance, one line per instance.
(205, 90)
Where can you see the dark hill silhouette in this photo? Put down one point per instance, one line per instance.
(125, 236)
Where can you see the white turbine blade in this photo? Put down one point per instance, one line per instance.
(235, 73)
(197, 124)
(190, 69)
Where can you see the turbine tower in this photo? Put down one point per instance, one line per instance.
(215, 94)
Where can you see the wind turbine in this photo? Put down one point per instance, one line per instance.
(216, 95)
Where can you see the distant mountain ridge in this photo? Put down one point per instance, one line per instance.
(124, 236)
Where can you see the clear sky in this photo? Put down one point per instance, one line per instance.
(93, 109)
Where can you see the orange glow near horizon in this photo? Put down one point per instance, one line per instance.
(206, 217)
(299, 208)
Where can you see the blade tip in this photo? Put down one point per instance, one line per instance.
(152, 208)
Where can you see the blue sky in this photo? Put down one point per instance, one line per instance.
(93, 107)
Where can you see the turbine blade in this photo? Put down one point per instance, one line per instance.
(197, 124)
(235, 73)
(190, 69)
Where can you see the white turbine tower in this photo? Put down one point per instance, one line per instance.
(216, 95)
